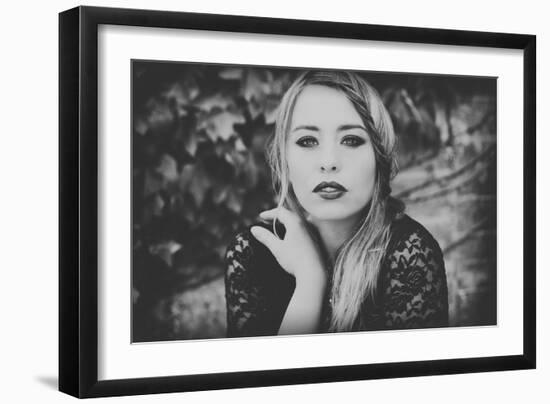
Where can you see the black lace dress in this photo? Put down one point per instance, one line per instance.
(411, 292)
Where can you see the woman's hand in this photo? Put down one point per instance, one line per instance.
(296, 253)
(299, 256)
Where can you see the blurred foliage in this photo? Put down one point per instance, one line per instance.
(200, 174)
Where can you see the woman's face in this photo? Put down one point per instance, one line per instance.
(331, 161)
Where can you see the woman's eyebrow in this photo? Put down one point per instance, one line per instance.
(306, 127)
(340, 128)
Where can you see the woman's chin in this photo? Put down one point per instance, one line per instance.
(332, 213)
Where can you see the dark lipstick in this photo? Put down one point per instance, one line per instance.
(330, 190)
(329, 186)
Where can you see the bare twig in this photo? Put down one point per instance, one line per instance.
(415, 162)
(481, 122)
(442, 192)
(475, 198)
(433, 154)
(485, 155)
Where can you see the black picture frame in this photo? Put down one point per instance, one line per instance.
(78, 200)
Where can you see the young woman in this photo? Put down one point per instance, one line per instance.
(337, 253)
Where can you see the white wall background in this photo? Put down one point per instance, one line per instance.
(28, 199)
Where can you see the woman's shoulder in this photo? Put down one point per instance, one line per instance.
(414, 286)
(407, 232)
(413, 248)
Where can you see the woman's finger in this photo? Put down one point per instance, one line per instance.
(284, 215)
(267, 238)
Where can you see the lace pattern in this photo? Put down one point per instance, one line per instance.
(412, 291)
(415, 294)
(243, 297)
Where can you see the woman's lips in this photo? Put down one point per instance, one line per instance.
(330, 193)
(331, 186)
(330, 190)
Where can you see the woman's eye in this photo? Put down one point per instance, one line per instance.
(353, 141)
(307, 141)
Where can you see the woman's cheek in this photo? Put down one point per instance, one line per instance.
(363, 184)
(300, 188)
(300, 173)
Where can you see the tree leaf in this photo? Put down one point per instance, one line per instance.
(220, 124)
(140, 126)
(157, 205)
(160, 115)
(234, 202)
(215, 102)
(135, 295)
(280, 84)
(168, 168)
(221, 147)
(260, 138)
(165, 250)
(152, 184)
(252, 171)
(183, 92)
(271, 107)
(220, 193)
(239, 145)
(191, 143)
(186, 175)
(256, 84)
(189, 214)
(235, 158)
(231, 73)
(200, 184)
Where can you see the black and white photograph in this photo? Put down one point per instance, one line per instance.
(253, 202)
(273, 200)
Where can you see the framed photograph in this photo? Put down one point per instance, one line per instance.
(251, 201)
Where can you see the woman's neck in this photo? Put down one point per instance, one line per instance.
(334, 233)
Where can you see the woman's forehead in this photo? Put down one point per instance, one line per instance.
(324, 106)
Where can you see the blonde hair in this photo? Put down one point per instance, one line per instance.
(359, 259)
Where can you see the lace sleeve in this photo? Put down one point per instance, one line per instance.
(241, 293)
(416, 296)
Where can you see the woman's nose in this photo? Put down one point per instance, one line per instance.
(330, 162)
(329, 167)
